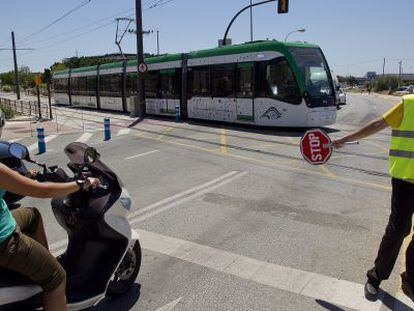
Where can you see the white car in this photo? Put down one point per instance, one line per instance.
(341, 96)
(404, 90)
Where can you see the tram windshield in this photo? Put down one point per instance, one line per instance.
(315, 73)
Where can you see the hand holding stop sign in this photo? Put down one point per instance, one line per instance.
(316, 146)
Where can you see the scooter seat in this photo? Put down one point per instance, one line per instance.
(10, 278)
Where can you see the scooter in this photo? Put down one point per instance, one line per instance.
(103, 254)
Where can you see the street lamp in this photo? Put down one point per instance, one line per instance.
(298, 30)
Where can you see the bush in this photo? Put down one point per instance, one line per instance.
(6, 88)
(8, 112)
(386, 83)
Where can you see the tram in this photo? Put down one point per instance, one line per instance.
(264, 83)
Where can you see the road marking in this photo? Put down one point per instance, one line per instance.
(141, 155)
(84, 138)
(402, 302)
(169, 129)
(47, 139)
(326, 171)
(353, 182)
(14, 140)
(223, 141)
(170, 306)
(122, 132)
(317, 286)
(175, 198)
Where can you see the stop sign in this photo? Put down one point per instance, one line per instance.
(316, 147)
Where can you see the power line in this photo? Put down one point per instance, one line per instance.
(56, 20)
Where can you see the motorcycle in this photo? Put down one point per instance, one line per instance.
(103, 254)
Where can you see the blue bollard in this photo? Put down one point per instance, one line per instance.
(41, 144)
(177, 113)
(107, 129)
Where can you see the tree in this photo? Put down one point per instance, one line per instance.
(351, 80)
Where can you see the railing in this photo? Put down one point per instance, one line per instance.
(27, 107)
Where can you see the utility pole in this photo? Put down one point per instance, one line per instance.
(399, 72)
(383, 68)
(251, 21)
(158, 42)
(16, 69)
(138, 109)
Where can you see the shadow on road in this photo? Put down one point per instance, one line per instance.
(387, 299)
(123, 303)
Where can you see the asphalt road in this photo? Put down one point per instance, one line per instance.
(234, 219)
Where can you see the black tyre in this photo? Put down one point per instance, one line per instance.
(127, 272)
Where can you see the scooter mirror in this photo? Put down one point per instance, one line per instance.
(19, 151)
(91, 155)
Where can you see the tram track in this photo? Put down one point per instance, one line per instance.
(261, 140)
(255, 150)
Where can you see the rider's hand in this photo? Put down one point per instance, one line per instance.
(32, 174)
(91, 183)
(339, 143)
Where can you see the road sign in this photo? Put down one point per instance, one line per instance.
(38, 80)
(316, 147)
(143, 68)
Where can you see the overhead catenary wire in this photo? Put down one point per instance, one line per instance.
(81, 5)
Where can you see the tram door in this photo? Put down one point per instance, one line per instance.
(245, 92)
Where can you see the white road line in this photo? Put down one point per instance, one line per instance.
(197, 194)
(141, 155)
(47, 139)
(313, 285)
(123, 132)
(180, 195)
(84, 138)
(170, 306)
(402, 302)
(14, 140)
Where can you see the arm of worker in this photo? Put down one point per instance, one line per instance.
(369, 129)
(14, 182)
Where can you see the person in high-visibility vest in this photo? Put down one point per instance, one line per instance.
(401, 170)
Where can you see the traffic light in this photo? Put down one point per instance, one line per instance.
(283, 6)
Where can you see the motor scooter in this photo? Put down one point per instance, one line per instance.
(103, 253)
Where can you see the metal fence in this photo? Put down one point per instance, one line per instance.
(27, 107)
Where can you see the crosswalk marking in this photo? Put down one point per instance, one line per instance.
(47, 139)
(84, 138)
(313, 285)
(123, 132)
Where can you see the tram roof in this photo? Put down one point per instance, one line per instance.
(257, 46)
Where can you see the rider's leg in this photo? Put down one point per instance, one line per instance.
(30, 222)
(56, 299)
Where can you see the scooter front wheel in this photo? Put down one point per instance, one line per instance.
(127, 272)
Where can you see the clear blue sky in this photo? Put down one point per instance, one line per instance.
(354, 34)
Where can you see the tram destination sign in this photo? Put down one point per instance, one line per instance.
(316, 147)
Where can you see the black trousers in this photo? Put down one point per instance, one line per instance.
(399, 226)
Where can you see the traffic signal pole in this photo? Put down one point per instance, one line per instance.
(16, 69)
(138, 108)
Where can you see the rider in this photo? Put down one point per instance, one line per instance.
(23, 243)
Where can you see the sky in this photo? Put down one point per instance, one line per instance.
(355, 35)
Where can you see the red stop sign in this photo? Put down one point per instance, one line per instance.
(316, 147)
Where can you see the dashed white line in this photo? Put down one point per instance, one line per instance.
(122, 132)
(141, 155)
(84, 138)
(47, 139)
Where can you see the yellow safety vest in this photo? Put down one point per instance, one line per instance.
(402, 143)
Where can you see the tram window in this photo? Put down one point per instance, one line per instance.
(244, 87)
(132, 83)
(168, 84)
(91, 85)
(111, 85)
(61, 85)
(223, 80)
(201, 83)
(281, 81)
(152, 84)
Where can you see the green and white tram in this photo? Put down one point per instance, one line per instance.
(267, 83)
